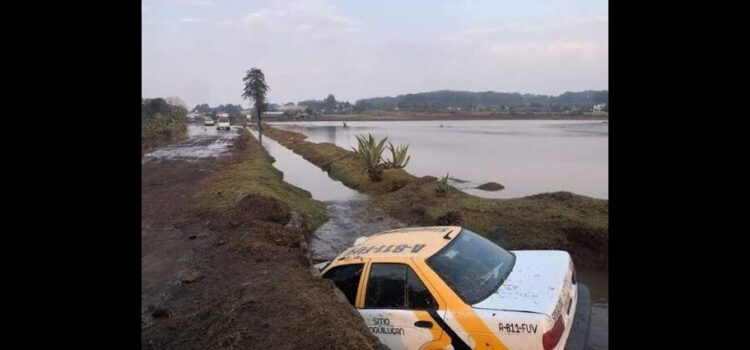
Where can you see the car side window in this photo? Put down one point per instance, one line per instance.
(386, 287)
(346, 277)
(396, 286)
(418, 295)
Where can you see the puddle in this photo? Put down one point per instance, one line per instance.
(349, 221)
(598, 283)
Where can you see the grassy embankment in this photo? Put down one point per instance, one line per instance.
(159, 131)
(252, 172)
(559, 220)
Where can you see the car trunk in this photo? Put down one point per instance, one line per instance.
(540, 282)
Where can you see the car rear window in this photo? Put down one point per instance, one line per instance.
(346, 277)
(472, 266)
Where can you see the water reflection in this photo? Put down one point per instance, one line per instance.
(303, 174)
(598, 282)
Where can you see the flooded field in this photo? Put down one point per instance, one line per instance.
(525, 156)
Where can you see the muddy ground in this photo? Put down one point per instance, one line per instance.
(235, 279)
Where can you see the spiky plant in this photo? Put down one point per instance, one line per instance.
(399, 158)
(442, 185)
(371, 152)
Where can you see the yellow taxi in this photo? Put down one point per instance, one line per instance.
(446, 287)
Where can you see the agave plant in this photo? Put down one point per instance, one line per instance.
(442, 185)
(399, 159)
(371, 152)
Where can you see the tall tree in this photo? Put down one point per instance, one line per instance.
(330, 103)
(255, 89)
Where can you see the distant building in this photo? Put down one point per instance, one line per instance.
(274, 114)
(292, 110)
(599, 107)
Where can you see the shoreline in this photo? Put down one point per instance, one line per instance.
(429, 117)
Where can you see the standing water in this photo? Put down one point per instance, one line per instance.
(598, 283)
(350, 213)
(526, 156)
(201, 142)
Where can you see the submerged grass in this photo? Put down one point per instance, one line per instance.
(252, 172)
(559, 220)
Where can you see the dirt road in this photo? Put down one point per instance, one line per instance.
(169, 239)
(234, 279)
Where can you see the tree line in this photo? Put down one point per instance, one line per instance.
(329, 105)
(170, 109)
(488, 100)
(230, 109)
(465, 100)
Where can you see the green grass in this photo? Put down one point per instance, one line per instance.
(252, 172)
(560, 220)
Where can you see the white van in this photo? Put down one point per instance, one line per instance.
(223, 123)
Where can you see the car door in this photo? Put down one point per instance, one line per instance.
(399, 309)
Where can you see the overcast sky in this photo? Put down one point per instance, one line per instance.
(199, 50)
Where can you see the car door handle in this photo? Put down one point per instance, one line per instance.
(423, 324)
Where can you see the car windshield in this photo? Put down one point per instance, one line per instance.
(223, 120)
(472, 266)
